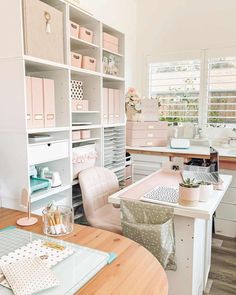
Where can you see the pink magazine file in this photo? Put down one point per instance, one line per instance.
(49, 103)
(29, 102)
(105, 105)
(110, 106)
(116, 106)
(37, 102)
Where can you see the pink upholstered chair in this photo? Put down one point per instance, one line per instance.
(96, 185)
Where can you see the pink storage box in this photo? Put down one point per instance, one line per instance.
(74, 29)
(148, 134)
(146, 142)
(79, 105)
(76, 59)
(76, 135)
(146, 125)
(110, 42)
(89, 63)
(86, 34)
(85, 134)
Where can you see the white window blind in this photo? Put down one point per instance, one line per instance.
(176, 85)
(222, 90)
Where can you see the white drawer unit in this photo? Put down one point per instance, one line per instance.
(226, 211)
(47, 152)
(225, 227)
(230, 196)
(230, 172)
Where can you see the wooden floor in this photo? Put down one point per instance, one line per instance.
(222, 278)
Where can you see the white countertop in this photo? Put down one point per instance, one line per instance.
(198, 150)
(204, 210)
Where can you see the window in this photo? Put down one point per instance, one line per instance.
(222, 90)
(176, 85)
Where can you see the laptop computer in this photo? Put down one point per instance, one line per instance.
(212, 176)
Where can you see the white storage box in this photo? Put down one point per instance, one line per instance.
(83, 157)
(46, 152)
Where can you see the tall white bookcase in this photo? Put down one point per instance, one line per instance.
(14, 143)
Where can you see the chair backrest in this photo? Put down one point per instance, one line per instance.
(97, 184)
(152, 226)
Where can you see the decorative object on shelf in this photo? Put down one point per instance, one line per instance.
(58, 220)
(76, 89)
(189, 193)
(205, 191)
(83, 157)
(86, 34)
(110, 64)
(25, 202)
(140, 109)
(46, 30)
(146, 133)
(110, 42)
(89, 63)
(52, 176)
(76, 60)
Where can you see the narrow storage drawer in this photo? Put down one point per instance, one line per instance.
(226, 211)
(47, 152)
(225, 228)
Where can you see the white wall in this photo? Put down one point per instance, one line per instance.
(122, 15)
(171, 26)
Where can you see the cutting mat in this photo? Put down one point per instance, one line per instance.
(73, 272)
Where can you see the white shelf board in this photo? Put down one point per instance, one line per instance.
(82, 43)
(42, 194)
(112, 78)
(46, 130)
(48, 142)
(86, 112)
(38, 64)
(112, 52)
(86, 140)
(84, 72)
(86, 127)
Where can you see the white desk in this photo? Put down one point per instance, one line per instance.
(193, 232)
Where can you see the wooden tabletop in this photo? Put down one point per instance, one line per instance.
(135, 272)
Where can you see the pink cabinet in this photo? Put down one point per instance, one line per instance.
(37, 103)
(146, 133)
(49, 103)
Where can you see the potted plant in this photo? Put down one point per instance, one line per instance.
(205, 191)
(189, 192)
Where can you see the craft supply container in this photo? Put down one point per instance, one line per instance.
(58, 222)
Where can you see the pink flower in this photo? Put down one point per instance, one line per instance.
(131, 90)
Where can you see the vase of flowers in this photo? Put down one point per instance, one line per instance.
(133, 105)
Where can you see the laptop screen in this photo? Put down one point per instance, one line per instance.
(214, 162)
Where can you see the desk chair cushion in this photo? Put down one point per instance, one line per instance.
(97, 184)
(151, 226)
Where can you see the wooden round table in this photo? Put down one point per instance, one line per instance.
(135, 271)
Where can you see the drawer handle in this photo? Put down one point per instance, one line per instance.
(74, 26)
(49, 144)
(92, 61)
(88, 32)
(76, 57)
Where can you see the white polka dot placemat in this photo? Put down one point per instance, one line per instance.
(168, 194)
(28, 276)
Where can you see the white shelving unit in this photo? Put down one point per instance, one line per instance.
(15, 64)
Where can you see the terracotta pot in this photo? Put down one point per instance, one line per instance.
(188, 196)
(205, 192)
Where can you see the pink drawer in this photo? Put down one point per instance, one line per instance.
(146, 142)
(146, 125)
(89, 63)
(110, 46)
(76, 59)
(74, 29)
(110, 38)
(147, 134)
(79, 105)
(76, 135)
(85, 134)
(86, 34)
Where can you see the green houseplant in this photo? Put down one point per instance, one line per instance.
(189, 192)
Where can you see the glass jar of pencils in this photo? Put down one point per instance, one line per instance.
(58, 220)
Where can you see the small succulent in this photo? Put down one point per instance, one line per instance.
(189, 183)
